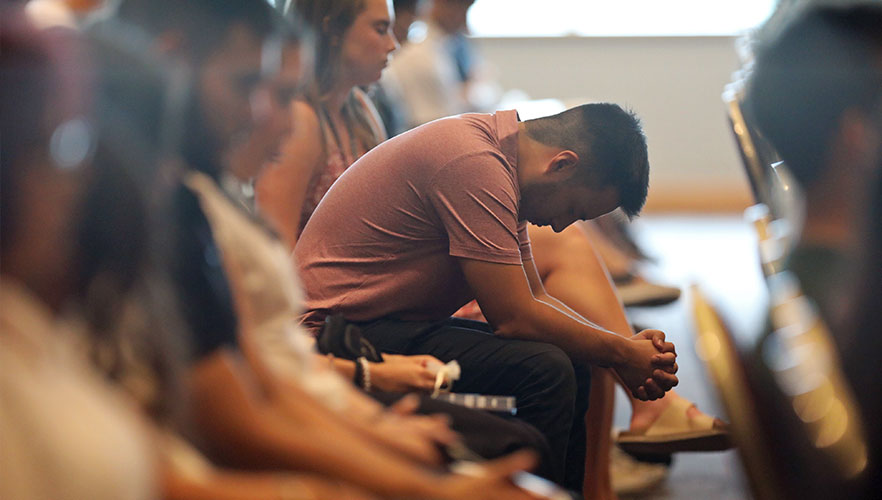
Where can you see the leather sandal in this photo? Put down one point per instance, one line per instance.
(674, 432)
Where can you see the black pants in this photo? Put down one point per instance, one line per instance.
(551, 392)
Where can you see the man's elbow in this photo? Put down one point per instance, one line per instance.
(515, 326)
(506, 330)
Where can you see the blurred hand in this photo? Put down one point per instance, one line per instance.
(492, 483)
(434, 427)
(416, 436)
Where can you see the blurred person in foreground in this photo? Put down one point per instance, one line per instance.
(813, 91)
(71, 258)
(816, 93)
(90, 386)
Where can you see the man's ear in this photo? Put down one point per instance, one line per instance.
(858, 139)
(563, 164)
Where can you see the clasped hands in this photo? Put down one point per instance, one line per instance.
(649, 366)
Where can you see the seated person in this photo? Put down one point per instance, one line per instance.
(333, 122)
(451, 226)
(816, 93)
(439, 74)
(811, 93)
(388, 106)
(66, 433)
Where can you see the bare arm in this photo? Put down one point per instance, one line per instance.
(237, 485)
(665, 362)
(281, 188)
(228, 408)
(540, 294)
(517, 313)
(396, 374)
(231, 411)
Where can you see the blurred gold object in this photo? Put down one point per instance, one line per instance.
(812, 377)
(716, 347)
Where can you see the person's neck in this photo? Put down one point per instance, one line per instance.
(335, 99)
(522, 151)
(530, 152)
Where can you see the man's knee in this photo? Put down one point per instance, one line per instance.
(551, 367)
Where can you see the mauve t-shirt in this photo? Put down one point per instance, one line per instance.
(385, 240)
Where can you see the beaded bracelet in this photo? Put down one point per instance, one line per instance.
(366, 373)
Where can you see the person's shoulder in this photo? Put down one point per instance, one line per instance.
(464, 120)
(305, 140)
(458, 134)
(304, 115)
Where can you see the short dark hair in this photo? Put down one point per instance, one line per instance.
(825, 61)
(405, 5)
(206, 23)
(611, 147)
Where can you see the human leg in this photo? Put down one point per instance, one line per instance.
(633, 288)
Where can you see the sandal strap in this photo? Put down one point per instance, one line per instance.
(673, 420)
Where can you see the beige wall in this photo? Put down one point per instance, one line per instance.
(672, 83)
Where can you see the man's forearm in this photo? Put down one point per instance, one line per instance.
(557, 304)
(549, 320)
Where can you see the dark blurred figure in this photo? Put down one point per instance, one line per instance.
(862, 341)
(74, 254)
(816, 93)
(813, 93)
(406, 13)
(439, 73)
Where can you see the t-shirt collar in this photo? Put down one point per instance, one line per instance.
(507, 127)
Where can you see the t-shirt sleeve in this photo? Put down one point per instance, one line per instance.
(203, 291)
(475, 199)
(524, 241)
